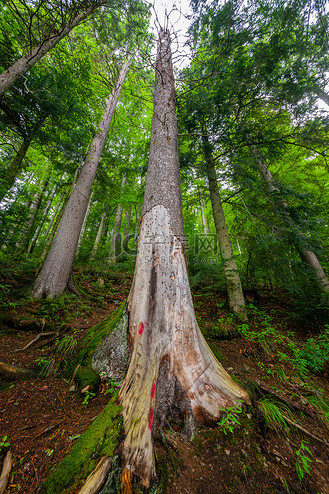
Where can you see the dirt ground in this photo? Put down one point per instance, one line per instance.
(42, 417)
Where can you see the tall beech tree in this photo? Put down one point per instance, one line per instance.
(54, 277)
(172, 370)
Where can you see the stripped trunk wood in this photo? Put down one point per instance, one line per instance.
(172, 372)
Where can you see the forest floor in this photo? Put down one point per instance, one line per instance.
(279, 444)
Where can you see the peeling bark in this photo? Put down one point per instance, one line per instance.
(172, 370)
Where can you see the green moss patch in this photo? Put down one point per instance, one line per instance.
(100, 439)
(93, 338)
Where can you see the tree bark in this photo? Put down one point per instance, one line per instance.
(84, 224)
(204, 224)
(172, 371)
(115, 240)
(54, 276)
(307, 255)
(233, 283)
(99, 233)
(19, 68)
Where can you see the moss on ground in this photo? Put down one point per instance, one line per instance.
(100, 439)
(93, 338)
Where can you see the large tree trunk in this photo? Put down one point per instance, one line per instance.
(19, 68)
(172, 371)
(233, 283)
(54, 276)
(307, 255)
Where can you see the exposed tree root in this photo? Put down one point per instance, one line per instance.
(97, 477)
(40, 335)
(6, 468)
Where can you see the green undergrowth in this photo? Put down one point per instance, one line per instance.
(100, 439)
(93, 338)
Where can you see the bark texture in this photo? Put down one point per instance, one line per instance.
(116, 240)
(19, 68)
(233, 283)
(172, 370)
(307, 255)
(54, 276)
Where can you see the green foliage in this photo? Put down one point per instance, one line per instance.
(275, 413)
(230, 419)
(100, 439)
(303, 461)
(88, 395)
(4, 443)
(315, 351)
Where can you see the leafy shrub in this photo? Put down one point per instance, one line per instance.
(316, 351)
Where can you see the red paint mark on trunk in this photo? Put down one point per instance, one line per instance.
(153, 390)
(151, 416)
(141, 328)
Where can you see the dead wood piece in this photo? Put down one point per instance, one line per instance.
(49, 429)
(40, 335)
(97, 477)
(24, 324)
(14, 371)
(6, 468)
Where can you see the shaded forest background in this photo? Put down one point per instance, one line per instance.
(252, 105)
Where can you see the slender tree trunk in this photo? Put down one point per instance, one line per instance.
(19, 68)
(231, 273)
(41, 222)
(33, 213)
(116, 240)
(204, 224)
(84, 224)
(99, 233)
(307, 256)
(54, 276)
(15, 167)
(172, 370)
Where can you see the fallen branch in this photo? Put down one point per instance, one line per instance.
(287, 402)
(49, 429)
(14, 371)
(40, 335)
(97, 477)
(6, 468)
(308, 433)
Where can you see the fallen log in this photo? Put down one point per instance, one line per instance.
(13, 371)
